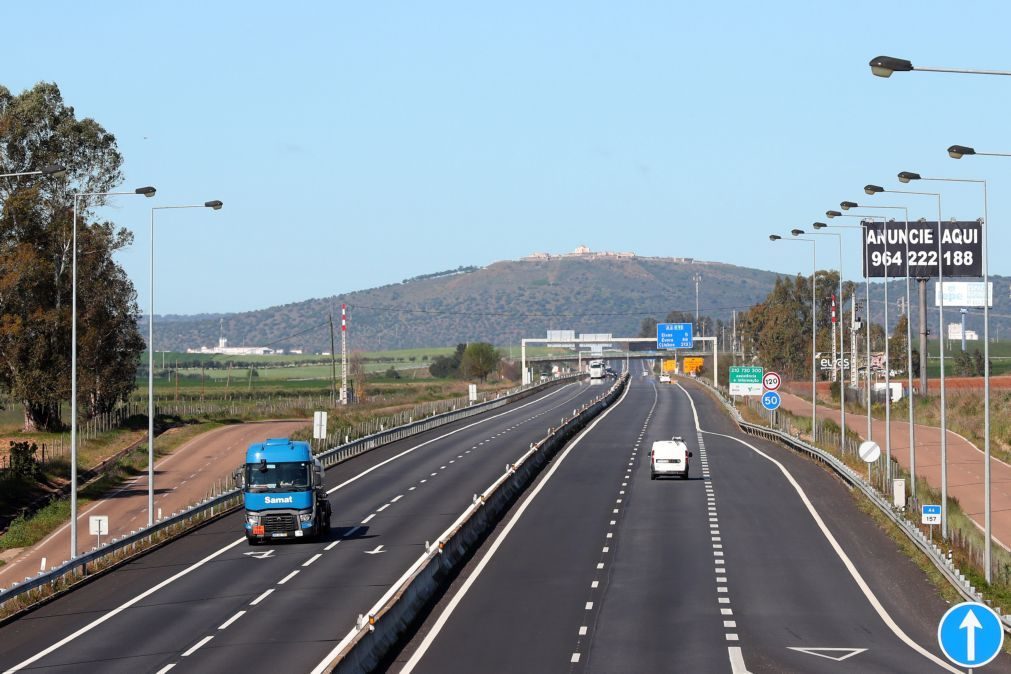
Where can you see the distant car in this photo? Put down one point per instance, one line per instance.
(665, 379)
(669, 457)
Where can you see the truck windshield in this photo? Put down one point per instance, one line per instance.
(288, 476)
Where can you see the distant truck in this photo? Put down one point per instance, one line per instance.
(596, 369)
(282, 489)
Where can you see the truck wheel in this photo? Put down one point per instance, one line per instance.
(252, 541)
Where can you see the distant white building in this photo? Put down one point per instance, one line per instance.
(223, 349)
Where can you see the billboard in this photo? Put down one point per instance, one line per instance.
(962, 294)
(885, 247)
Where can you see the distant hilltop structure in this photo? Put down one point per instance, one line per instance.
(585, 253)
(223, 349)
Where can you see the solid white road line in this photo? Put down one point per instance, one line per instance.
(458, 597)
(872, 599)
(116, 611)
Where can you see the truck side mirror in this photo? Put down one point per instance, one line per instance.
(690, 455)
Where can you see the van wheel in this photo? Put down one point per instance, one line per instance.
(652, 476)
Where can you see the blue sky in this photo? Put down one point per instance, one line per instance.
(358, 144)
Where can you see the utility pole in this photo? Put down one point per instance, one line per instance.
(698, 279)
(344, 354)
(733, 337)
(922, 288)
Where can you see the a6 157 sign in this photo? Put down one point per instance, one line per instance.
(961, 250)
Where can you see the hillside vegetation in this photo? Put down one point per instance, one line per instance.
(500, 303)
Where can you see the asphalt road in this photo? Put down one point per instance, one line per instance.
(600, 569)
(210, 603)
(182, 478)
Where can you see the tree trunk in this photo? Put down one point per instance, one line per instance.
(42, 416)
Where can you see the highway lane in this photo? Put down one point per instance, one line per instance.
(297, 600)
(182, 478)
(732, 573)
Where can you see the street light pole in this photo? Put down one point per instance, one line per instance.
(147, 192)
(215, 205)
(814, 328)
(867, 302)
(884, 66)
(905, 177)
(842, 341)
(940, 321)
(54, 170)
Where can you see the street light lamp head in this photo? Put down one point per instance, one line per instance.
(54, 170)
(846, 205)
(146, 191)
(774, 237)
(957, 151)
(819, 225)
(906, 176)
(216, 205)
(873, 189)
(884, 66)
(833, 214)
(797, 232)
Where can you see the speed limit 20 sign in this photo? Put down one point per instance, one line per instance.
(771, 381)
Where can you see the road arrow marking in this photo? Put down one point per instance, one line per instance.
(378, 550)
(970, 623)
(260, 555)
(824, 652)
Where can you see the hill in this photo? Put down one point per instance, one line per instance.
(500, 303)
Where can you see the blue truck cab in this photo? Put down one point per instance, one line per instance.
(282, 489)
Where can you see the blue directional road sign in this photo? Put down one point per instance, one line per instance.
(970, 634)
(674, 336)
(771, 400)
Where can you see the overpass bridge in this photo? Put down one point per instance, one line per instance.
(611, 340)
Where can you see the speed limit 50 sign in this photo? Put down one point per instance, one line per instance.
(771, 381)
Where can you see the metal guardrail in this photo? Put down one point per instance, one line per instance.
(934, 553)
(72, 572)
(374, 633)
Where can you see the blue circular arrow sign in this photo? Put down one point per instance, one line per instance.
(970, 634)
(770, 400)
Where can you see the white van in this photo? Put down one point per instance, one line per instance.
(669, 457)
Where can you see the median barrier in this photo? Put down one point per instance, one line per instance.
(381, 629)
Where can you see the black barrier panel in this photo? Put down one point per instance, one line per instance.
(961, 249)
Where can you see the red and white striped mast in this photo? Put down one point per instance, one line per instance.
(344, 355)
